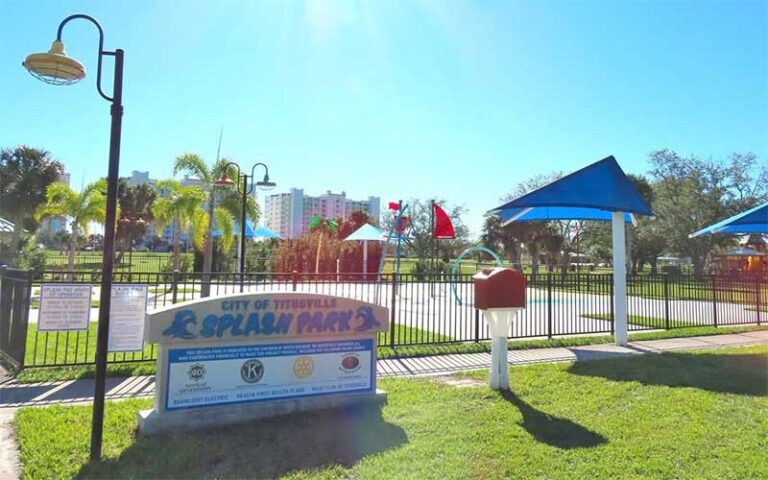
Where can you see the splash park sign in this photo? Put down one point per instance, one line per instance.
(242, 357)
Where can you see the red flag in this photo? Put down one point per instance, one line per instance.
(443, 226)
(394, 205)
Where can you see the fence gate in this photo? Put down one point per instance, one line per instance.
(15, 296)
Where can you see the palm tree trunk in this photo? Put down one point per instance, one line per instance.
(317, 258)
(72, 248)
(176, 245)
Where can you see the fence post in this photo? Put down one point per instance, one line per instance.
(666, 300)
(175, 286)
(294, 280)
(392, 310)
(613, 314)
(714, 300)
(477, 325)
(758, 292)
(22, 327)
(549, 305)
(5, 309)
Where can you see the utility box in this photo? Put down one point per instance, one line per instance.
(500, 294)
(499, 288)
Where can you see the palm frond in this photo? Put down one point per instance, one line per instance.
(226, 225)
(193, 164)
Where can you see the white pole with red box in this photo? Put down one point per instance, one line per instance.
(500, 293)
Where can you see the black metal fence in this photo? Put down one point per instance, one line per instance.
(15, 293)
(435, 310)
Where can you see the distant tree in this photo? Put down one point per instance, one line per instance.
(182, 207)
(355, 220)
(25, 175)
(691, 193)
(84, 207)
(531, 234)
(322, 227)
(135, 204)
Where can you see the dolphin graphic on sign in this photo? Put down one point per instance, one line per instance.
(178, 328)
(369, 321)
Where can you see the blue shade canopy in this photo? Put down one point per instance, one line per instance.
(557, 213)
(251, 231)
(367, 232)
(591, 193)
(754, 220)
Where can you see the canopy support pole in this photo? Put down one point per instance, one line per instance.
(619, 277)
(365, 257)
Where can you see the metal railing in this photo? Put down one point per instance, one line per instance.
(424, 309)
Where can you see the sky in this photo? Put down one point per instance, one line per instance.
(458, 100)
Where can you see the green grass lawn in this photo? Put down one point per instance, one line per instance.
(138, 262)
(676, 415)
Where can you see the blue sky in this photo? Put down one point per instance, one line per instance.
(460, 100)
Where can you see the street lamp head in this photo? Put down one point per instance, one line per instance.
(224, 181)
(266, 184)
(54, 66)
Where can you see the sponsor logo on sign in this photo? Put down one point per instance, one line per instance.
(303, 367)
(350, 363)
(252, 371)
(196, 372)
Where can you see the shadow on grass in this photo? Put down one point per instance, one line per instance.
(554, 431)
(261, 449)
(744, 374)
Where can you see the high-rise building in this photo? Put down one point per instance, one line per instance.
(289, 213)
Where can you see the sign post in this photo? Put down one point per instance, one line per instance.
(248, 356)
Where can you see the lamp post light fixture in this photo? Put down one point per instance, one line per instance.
(244, 189)
(56, 68)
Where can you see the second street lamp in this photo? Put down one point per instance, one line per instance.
(244, 189)
(56, 68)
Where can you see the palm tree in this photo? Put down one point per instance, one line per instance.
(25, 174)
(228, 201)
(323, 226)
(135, 203)
(182, 208)
(90, 205)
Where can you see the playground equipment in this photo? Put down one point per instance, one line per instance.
(500, 294)
(457, 264)
(398, 228)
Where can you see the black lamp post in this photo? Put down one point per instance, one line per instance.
(56, 68)
(244, 191)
